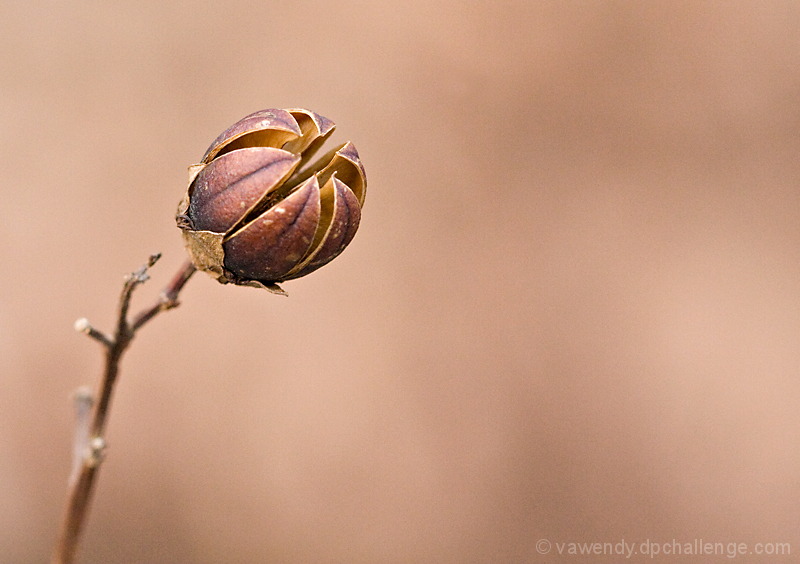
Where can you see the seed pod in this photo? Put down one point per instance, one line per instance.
(257, 210)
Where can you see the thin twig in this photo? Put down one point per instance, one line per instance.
(168, 298)
(83, 476)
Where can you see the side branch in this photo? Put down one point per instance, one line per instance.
(168, 298)
(91, 451)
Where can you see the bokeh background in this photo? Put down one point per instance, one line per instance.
(572, 311)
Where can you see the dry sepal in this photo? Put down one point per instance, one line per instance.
(257, 211)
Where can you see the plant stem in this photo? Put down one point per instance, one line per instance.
(82, 480)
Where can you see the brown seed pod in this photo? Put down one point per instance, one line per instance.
(257, 210)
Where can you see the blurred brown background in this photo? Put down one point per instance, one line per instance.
(572, 311)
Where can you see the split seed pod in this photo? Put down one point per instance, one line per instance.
(257, 210)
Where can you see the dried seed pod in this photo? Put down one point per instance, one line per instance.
(257, 210)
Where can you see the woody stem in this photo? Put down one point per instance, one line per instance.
(90, 443)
